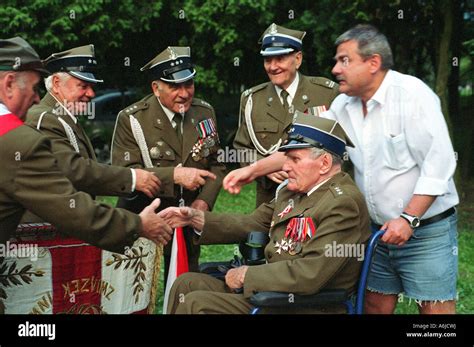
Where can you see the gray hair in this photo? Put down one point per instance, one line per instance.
(48, 81)
(19, 77)
(317, 152)
(370, 41)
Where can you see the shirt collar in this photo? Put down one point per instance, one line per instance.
(317, 186)
(291, 88)
(4, 110)
(381, 94)
(168, 112)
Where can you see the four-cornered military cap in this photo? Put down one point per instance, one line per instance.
(173, 65)
(310, 131)
(277, 40)
(17, 55)
(79, 62)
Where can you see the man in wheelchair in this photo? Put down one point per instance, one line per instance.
(318, 208)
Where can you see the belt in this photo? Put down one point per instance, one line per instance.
(431, 220)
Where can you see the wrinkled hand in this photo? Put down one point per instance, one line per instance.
(397, 231)
(147, 182)
(278, 176)
(234, 278)
(191, 178)
(200, 205)
(236, 179)
(183, 216)
(154, 227)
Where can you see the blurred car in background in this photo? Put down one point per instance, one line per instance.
(100, 128)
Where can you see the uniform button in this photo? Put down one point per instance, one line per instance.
(158, 164)
(161, 156)
(168, 153)
(264, 136)
(123, 187)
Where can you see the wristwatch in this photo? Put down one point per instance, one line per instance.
(414, 221)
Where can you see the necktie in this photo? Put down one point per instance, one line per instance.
(178, 119)
(284, 95)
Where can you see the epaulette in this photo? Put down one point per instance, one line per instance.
(254, 89)
(325, 82)
(336, 190)
(133, 108)
(199, 102)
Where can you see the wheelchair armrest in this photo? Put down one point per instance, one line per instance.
(216, 269)
(211, 267)
(279, 299)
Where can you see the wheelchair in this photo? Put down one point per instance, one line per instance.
(252, 251)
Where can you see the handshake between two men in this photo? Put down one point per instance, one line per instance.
(154, 227)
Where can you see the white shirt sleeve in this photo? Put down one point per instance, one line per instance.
(429, 143)
(198, 232)
(134, 180)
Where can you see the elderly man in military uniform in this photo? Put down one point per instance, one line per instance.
(266, 110)
(317, 207)
(174, 135)
(31, 179)
(70, 90)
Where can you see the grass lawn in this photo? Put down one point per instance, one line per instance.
(245, 202)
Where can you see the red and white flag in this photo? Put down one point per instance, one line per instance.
(178, 263)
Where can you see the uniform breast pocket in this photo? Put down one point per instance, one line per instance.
(396, 154)
(266, 132)
(162, 154)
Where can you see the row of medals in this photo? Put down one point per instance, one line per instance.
(290, 246)
(204, 147)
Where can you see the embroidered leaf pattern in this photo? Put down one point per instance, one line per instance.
(132, 260)
(11, 276)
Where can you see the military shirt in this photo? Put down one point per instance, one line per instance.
(340, 216)
(30, 179)
(165, 149)
(271, 121)
(80, 167)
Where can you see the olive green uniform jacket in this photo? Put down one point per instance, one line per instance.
(80, 167)
(340, 215)
(30, 179)
(166, 152)
(271, 121)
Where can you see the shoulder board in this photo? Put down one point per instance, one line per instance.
(325, 82)
(336, 190)
(254, 89)
(199, 102)
(139, 105)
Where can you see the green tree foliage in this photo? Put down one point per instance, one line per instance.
(223, 36)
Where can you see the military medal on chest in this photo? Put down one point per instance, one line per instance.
(208, 141)
(297, 231)
(316, 111)
(155, 152)
(287, 209)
